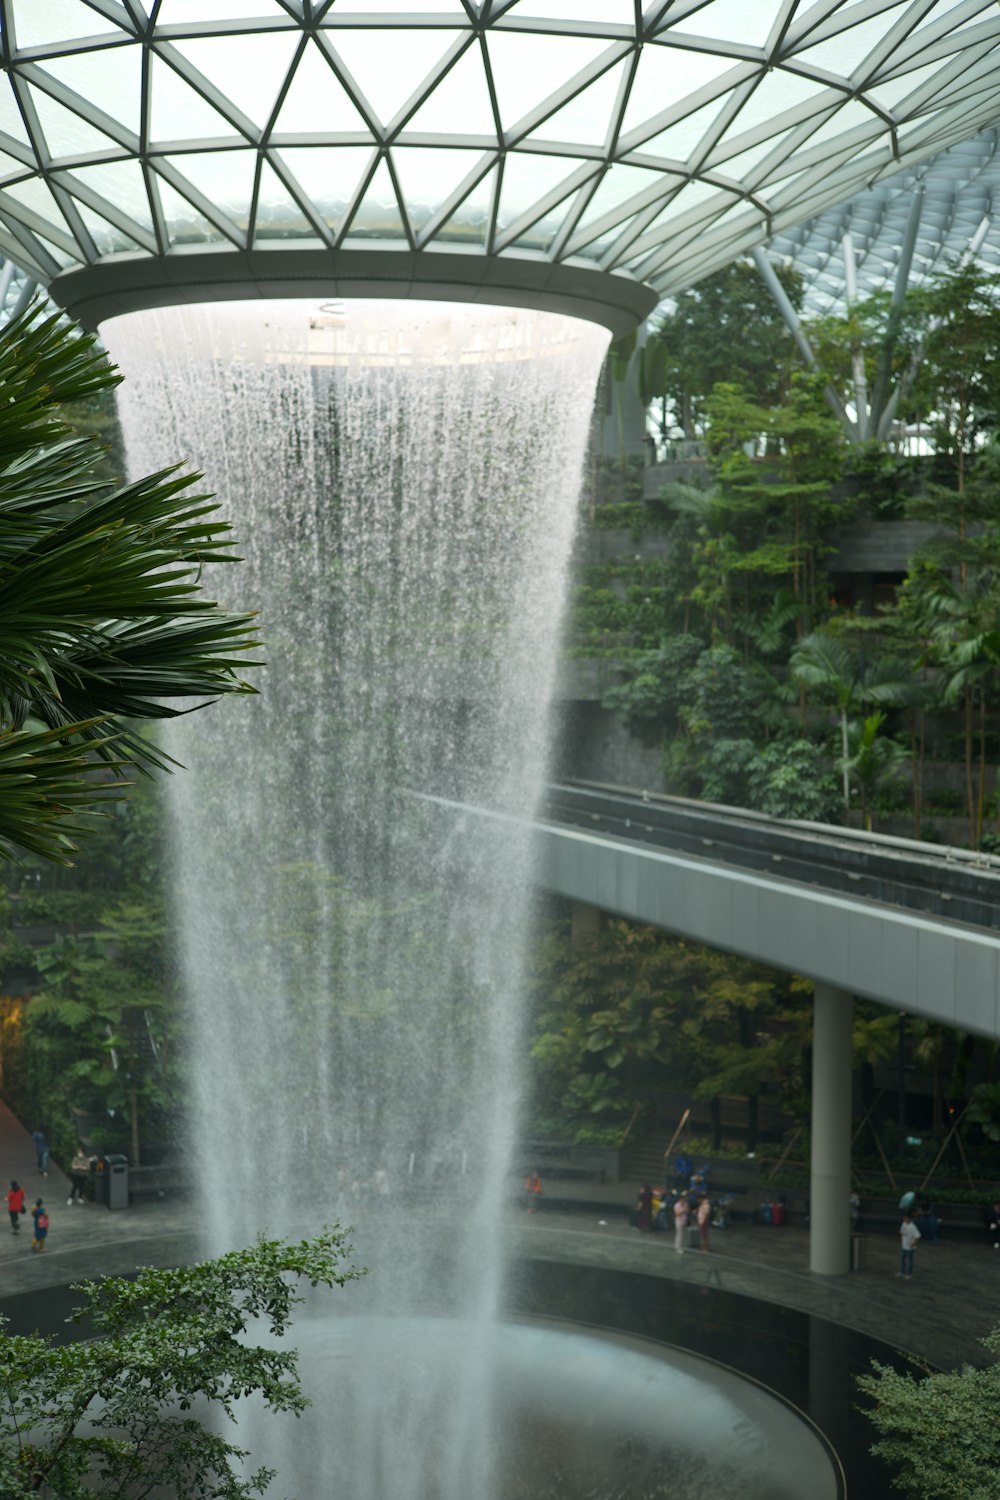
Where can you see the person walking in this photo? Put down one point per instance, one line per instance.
(704, 1217)
(79, 1169)
(41, 1219)
(532, 1192)
(680, 1222)
(908, 1236)
(42, 1149)
(15, 1206)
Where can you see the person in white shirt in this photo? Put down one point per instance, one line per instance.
(908, 1236)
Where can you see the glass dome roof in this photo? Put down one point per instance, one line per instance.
(652, 143)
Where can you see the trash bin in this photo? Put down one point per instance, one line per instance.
(859, 1253)
(98, 1180)
(116, 1174)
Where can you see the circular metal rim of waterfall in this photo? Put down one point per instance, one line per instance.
(127, 284)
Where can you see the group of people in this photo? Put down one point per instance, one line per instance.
(654, 1209)
(17, 1207)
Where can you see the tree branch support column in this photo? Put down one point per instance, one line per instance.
(830, 1170)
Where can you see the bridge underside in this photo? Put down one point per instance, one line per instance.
(946, 972)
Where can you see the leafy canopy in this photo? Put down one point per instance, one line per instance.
(112, 1415)
(102, 618)
(940, 1429)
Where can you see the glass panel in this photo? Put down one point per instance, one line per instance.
(10, 166)
(62, 258)
(846, 52)
(428, 177)
(731, 21)
(249, 70)
(565, 12)
(109, 79)
(178, 112)
(405, 8)
(741, 165)
(177, 12)
(185, 224)
(539, 236)
(848, 117)
(38, 25)
(682, 140)
(692, 197)
(316, 101)
(776, 93)
(527, 179)
(28, 259)
(944, 10)
(108, 238)
(598, 248)
(529, 69)
(889, 92)
(225, 178)
(120, 183)
(33, 193)
(588, 118)
(665, 76)
(65, 133)
(11, 122)
(469, 224)
(328, 176)
(618, 186)
(378, 216)
(390, 66)
(279, 217)
(461, 95)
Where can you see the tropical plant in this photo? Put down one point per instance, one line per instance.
(102, 618)
(825, 663)
(113, 1414)
(938, 1429)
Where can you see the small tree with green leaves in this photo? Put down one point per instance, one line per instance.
(112, 1415)
(939, 1429)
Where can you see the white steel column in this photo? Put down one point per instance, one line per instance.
(830, 1173)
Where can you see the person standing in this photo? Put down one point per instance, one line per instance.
(41, 1219)
(532, 1192)
(704, 1217)
(42, 1149)
(15, 1206)
(644, 1208)
(908, 1236)
(680, 1222)
(79, 1168)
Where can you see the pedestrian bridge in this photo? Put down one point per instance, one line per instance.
(911, 925)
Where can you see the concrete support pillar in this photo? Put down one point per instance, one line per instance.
(830, 1170)
(585, 923)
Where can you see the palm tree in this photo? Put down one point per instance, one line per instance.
(102, 620)
(825, 663)
(874, 760)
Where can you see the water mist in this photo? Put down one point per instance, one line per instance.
(403, 481)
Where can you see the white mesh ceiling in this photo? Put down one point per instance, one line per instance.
(654, 143)
(957, 199)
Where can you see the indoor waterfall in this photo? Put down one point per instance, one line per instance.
(403, 480)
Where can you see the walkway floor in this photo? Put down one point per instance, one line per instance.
(952, 1300)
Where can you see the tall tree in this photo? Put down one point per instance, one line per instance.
(727, 328)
